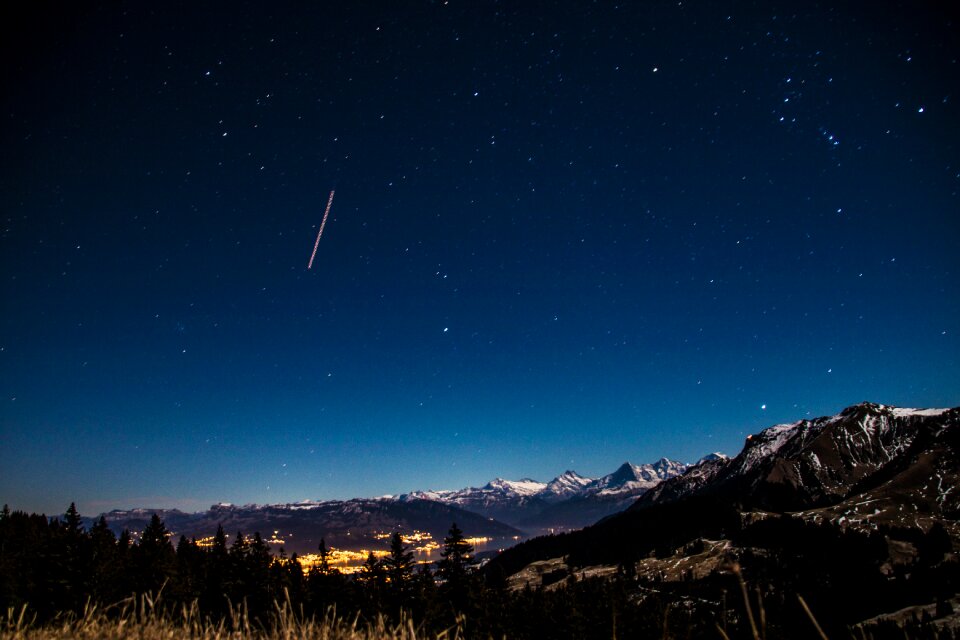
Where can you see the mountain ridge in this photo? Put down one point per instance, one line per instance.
(569, 501)
(500, 509)
(809, 463)
(871, 467)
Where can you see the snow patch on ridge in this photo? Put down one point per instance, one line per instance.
(905, 412)
(767, 443)
(524, 487)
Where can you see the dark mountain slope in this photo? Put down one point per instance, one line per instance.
(902, 462)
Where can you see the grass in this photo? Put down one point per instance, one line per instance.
(145, 618)
(758, 624)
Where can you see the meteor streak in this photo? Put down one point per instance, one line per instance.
(320, 233)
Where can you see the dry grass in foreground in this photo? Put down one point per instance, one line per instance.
(143, 619)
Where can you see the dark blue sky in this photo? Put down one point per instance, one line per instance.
(561, 238)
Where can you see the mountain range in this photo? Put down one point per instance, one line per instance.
(858, 513)
(871, 468)
(502, 510)
(845, 467)
(569, 501)
(868, 467)
(299, 527)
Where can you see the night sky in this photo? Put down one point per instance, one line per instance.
(561, 238)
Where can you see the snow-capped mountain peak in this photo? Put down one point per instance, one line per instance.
(518, 501)
(813, 462)
(631, 478)
(766, 443)
(567, 484)
(710, 457)
(625, 473)
(522, 487)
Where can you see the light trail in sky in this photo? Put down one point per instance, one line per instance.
(320, 233)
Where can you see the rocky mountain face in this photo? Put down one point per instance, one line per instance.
(823, 463)
(868, 468)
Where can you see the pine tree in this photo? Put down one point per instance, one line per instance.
(155, 559)
(457, 556)
(293, 579)
(189, 570)
(239, 548)
(237, 575)
(72, 523)
(123, 542)
(371, 567)
(73, 568)
(399, 567)
(215, 587)
(372, 573)
(324, 565)
(327, 585)
(399, 563)
(100, 531)
(259, 553)
(155, 535)
(259, 578)
(219, 542)
(456, 570)
(105, 561)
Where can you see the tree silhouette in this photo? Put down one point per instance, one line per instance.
(106, 567)
(399, 567)
(455, 569)
(327, 585)
(398, 563)
(72, 523)
(73, 568)
(457, 556)
(216, 575)
(324, 565)
(154, 557)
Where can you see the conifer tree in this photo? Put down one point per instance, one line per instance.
(257, 577)
(259, 553)
(123, 542)
(457, 556)
(258, 561)
(214, 595)
(219, 542)
(183, 547)
(371, 567)
(456, 569)
(372, 573)
(292, 578)
(326, 584)
(399, 562)
(239, 548)
(237, 578)
(100, 531)
(72, 523)
(73, 567)
(105, 562)
(155, 535)
(324, 565)
(399, 568)
(154, 557)
(189, 570)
